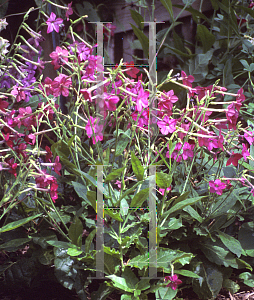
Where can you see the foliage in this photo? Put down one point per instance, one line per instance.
(55, 167)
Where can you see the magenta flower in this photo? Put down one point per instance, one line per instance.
(232, 115)
(234, 159)
(174, 281)
(163, 190)
(19, 93)
(167, 125)
(59, 57)
(133, 71)
(245, 151)
(188, 151)
(217, 186)
(57, 166)
(53, 23)
(187, 80)
(97, 130)
(69, 11)
(60, 85)
(142, 99)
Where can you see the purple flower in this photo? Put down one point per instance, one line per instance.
(188, 151)
(174, 281)
(217, 186)
(53, 23)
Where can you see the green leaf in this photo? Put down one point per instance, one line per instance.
(187, 273)
(89, 240)
(246, 238)
(122, 143)
(112, 214)
(15, 244)
(231, 243)
(210, 282)
(120, 283)
(139, 198)
(245, 64)
(137, 167)
(76, 231)
(165, 257)
(59, 244)
(16, 224)
(193, 213)
(74, 252)
(168, 5)
(196, 15)
(182, 204)
(86, 8)
(114, 174)
(91, 196)
(165, 293)
(163, 180)
(231, 286)
(206, 37)
(138, 19)
(143, 39)
(247, 278)
(80, 189)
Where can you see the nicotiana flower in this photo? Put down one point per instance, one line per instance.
(59, 57)
(174, 281)
(53, 23)
(217, 186)
(234, 159)
(69, 11)
(97, 129)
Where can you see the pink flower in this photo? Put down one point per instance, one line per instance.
(234, 159)
(232, 115)
(217, 186)
(133, 71)
(188, 150)
(174, 281)
(57, 166)
(69, 11)
(142, 99)
(60, 85)
(245, 151)
(49, 154)
(97, 130)
(187, 80)
(53, 23)
(176, 152)
(87, 95)
(167, 125)
(59, 56)
(19, 93)
(163, 190)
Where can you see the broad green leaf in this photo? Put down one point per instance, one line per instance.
(16, 224)
(210, 282)
(181, 197)
(165, 257)
(231, 286)
(114, 174)
(139, 198)
(245, 64)
(75, 231)
(137, 167)
(124, 207)
(81, 190)
(59, 244)
(14, 244)
(91, 196)
(168, 5)
(193, 213)
(231, 243)
(120, 283)
(122, 143)
(186, 273)
(138, 19)
(113, 214)
(196, 15)
(182, 204)
(86, 8)
(206, 37)
(165, 293)
(74, 252)
(112, 252)
(163, 180)
(143, 39)
(89, 240)
(247, 278)
(246, 238)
